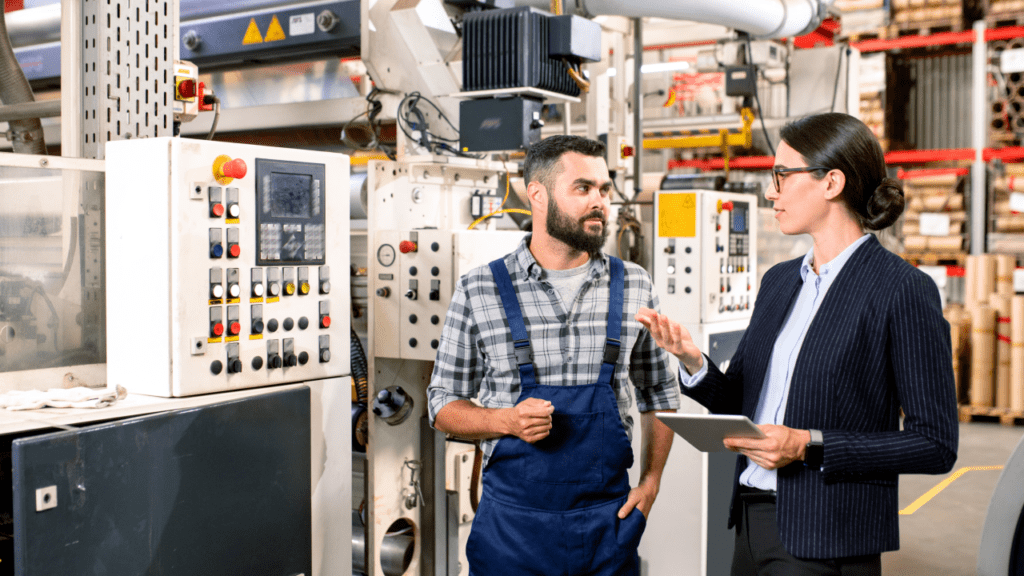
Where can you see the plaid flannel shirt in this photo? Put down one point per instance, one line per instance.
(475, 358)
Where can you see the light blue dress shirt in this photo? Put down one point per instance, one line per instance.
(771, 407)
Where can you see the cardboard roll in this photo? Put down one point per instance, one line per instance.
(917, 243)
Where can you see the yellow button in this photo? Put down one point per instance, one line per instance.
(304, 288)
(289, 288)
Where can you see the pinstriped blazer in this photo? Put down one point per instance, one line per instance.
(878, 343)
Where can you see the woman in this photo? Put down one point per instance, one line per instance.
(840, 341)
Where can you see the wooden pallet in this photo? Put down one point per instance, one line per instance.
(1004, 20)
(880, 33)
(935, 258)
(1004, 416)
(924, 28)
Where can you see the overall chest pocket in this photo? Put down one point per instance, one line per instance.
(571, 454)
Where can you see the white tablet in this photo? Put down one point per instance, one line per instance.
(706, 431)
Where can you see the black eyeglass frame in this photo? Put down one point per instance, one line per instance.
(776, 172)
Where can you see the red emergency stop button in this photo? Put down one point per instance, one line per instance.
(727, 205)
(325, 321)
(235, 328)
(225, 170)
(406, 246)
(628, 151)
(217, 329)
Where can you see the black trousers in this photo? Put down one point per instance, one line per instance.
(759, 550)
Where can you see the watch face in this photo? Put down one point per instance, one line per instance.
(386, 255)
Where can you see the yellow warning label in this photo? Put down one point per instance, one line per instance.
(252, 34)
(231, 221)
(255, 300)
(231, 339)
(274, 31)
(272, 300)
(677, 215)
(233, 301)
(255, 336)
(213, 340)
(215, 302)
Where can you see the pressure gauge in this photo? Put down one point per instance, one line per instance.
(386, 255)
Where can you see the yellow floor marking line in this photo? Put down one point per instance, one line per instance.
(942, 486)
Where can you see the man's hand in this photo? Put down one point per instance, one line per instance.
(672, 337)
(530, 420)
(641, 497)
(782, 446)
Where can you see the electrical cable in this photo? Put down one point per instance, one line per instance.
(500, 210)
(429, 140)
(757, 98)
(213, 99)
(373, 109)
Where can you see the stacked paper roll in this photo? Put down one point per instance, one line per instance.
(1002, 305)
(971, 283)
(960, 337)
(986, 277)
(1005, 265)
(983, 322)
(938, 196)
(1017, 353)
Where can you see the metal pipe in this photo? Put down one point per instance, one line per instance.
(638, 106)
(764, 18)
(979, 131)
(26, 136)
(43, 109)
(32, 26)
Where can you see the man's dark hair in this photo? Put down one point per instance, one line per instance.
(542, 159)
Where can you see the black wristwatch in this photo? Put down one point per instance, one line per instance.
(814, 452)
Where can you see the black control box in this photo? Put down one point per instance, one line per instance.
(511, 123)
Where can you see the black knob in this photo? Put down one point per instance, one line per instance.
(216, 367)
(303, 323)
(384, 396)
(325, 355)
(257, 326)
(290, 360)
(688, 249)
(272, 325)
(435, 246)
(412, 318)
(288, 324)
(274, 361)
(687, 290)
(435, 295)
(410, 294)
(688, 269)
(412, 342)
(303, 358)
(235, 366)
(412, 270)
(434, 344)
(435, 271)
(257, 363)
(383, 292)
(434, 319)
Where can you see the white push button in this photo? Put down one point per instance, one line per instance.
(217, 291)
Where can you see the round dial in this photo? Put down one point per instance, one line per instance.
(386, 255)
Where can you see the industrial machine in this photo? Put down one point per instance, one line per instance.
(1002, 537)
(233, 254)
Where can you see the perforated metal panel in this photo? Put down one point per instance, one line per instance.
(128, 82)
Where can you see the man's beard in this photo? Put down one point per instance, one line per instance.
(574, 232)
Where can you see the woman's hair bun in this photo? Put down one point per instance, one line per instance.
(885, 205)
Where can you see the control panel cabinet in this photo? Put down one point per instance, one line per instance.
(227, 266)
(705, 255)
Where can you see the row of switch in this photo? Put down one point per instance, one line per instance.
(280, 281)
(725, 285)
(733, 264)
(414, 290)
(280, 354)
(229, 207)
(217, 247)
(743, 304)
(234, 328)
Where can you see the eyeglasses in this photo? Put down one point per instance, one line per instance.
(778, 173)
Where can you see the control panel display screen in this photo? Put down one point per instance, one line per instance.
(291, 195)
(290, 212)
(739, 220)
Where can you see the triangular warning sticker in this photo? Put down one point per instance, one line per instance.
(274, 31)
(252, 35)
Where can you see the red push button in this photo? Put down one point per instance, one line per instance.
(217, 329)
(406, 246)
(216, 210)
(234, 250)
(235, 328)
(325, 321)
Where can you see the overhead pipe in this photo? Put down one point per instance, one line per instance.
(26, 136)
(761, 18)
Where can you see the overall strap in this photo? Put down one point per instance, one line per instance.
(520, 339)
(613, 343)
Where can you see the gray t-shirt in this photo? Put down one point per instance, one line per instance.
(568, 282)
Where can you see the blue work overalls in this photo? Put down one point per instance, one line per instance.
(550, 508)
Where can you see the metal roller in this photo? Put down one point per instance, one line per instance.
(357, 196)
(358, 544)
(396, 553)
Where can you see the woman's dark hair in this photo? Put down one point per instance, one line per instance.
(842, 142)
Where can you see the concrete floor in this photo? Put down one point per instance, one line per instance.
(942, 537)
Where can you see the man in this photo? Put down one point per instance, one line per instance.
(546, 337)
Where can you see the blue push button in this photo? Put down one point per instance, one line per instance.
(216, 251)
